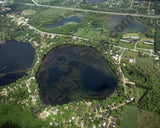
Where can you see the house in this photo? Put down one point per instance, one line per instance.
(132, 60)
(149, 42)
(115, 58)
(104, 124)
(157, 58)
(50, 123)
(127, 41)
(135, 38)
(113, 125)
(106, 114)
(127, 101)
(132, 99)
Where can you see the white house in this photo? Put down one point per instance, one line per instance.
(135, 37)
(132, 60)
(149, 42)
(127, 41)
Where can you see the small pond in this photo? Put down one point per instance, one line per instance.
(72, 19)
(134, 26)
(70, 73)
(15, 57)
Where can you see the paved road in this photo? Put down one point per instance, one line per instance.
(150, 54)
(53, 34)
(85, 10)
(131, 4)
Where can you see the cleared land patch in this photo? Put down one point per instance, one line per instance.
(129, 118)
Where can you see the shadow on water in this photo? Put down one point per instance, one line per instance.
(70, 73)
(10, 78)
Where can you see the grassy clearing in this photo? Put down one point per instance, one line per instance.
(28, 12)
(91, 33)
(129, 118)
(48, 16)
(144, 46)
(129, 54)
(127, 45)
(146, 62)
(148, 119)
(143, 37)
(130, 34)
(22, 118)
(136, 92)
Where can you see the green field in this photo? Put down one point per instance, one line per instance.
(129, 54)
(48, 16)
(130, 34)
(129, 118)
(126, 45)
(148, 119)
(144, 46)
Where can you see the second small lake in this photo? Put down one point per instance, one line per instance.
(72, 19)
(134, 26)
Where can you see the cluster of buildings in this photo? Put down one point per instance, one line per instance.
(129, 39)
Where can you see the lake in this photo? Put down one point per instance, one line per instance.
(135, 25)
(15, 57)
(71, 19)
(69, 73)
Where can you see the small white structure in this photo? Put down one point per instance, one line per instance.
(157, 58)
(94, 126)
(1, 2)
(135, 37)
(72, 118)
(132, 98)
(132, 60)
(149, 42)
(128, 101)
(115, 58)
(104, 124)
(56, 124)
(50, 123)
(105, 53)
(127, 41)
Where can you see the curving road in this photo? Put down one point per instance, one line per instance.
(85, 10)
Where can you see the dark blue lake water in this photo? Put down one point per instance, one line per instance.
(15, 57)
(68, 71)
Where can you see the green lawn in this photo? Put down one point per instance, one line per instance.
(130, 34)
(48, 16)
(129, 118)
(92, 33)
(28, 12)
(144, 46)
(127, 45)
(129, 54)
(147, 119)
